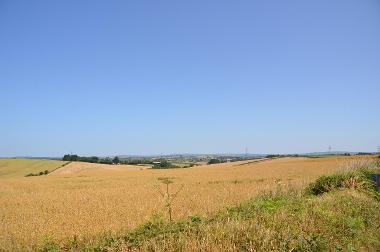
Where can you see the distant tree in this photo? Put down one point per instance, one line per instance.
(94, 159)
(106, 160)
(138, 161)
(89, 159)
(69, 157)
(116, 160)
(164, 164)
(214, 161)
(363, 153)
(46, 172)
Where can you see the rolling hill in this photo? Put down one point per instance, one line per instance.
(19, 167)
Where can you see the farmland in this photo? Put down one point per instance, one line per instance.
(86, 201)
(19, 167)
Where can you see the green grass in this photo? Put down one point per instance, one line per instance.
(357, 179)
(19, 167)
(343, 218)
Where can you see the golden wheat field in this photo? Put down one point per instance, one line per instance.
(86, 200)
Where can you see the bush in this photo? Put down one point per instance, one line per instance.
(89, 159)
(46, 172)
(69, 157)
(105, 161)
(164, 165)
(214, 161)
(355, 180)
(116, 160)
(137, 161)
(273, 156)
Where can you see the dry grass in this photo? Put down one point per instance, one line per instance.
(359, 163)
(85, 168)
(86, 202)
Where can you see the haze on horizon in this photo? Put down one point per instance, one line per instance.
(146, 77)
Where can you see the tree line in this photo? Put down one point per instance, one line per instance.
(160, 164)
(92, 159)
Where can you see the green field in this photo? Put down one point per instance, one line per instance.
(19, 167)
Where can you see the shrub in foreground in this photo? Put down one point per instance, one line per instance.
(358, 180)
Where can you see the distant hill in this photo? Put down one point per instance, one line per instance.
(327, 153)
(19, 167)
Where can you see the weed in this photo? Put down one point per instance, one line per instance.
(167, 196)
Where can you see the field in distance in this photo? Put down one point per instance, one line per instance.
(86, 200)
(19, 167)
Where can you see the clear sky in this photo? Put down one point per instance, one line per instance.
(152, 77)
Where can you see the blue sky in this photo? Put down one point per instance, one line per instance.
(152, 77)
